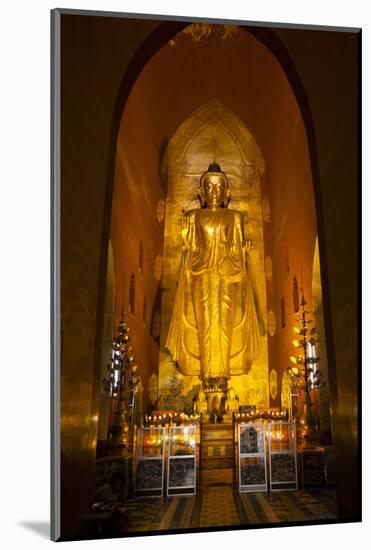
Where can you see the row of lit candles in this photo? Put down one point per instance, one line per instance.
(158, 441)
(277, 414)
(171, 416)
(183, 416)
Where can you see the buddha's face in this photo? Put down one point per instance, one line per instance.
(214, 191)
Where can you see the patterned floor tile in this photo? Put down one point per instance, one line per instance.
(224, 506)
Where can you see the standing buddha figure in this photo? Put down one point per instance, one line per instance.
(214, 323)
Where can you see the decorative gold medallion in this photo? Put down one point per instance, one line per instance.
(158, 267)
(271, 322)
(273, 384)
(266, 210)
(268, 268)
(152, 387)
(160, 211)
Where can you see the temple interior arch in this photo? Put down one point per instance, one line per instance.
(255, 129)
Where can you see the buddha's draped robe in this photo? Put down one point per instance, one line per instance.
(214, 331)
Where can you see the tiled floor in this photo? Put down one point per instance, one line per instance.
(223, 506)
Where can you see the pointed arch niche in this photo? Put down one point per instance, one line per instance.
(229, 99)
(213, 132)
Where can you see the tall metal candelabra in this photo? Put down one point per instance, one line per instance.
(120, 385)
(304, 373)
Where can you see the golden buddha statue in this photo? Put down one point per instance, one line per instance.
(214, 317)
(201, 406)
(232, 402)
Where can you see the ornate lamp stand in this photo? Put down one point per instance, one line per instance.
(305, 375)
(121, 385)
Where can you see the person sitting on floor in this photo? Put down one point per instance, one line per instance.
(109, 494)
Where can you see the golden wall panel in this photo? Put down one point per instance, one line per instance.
(211, 133)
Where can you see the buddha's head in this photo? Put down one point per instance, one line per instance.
(214, 188)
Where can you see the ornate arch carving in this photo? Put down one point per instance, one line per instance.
(212, 112)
